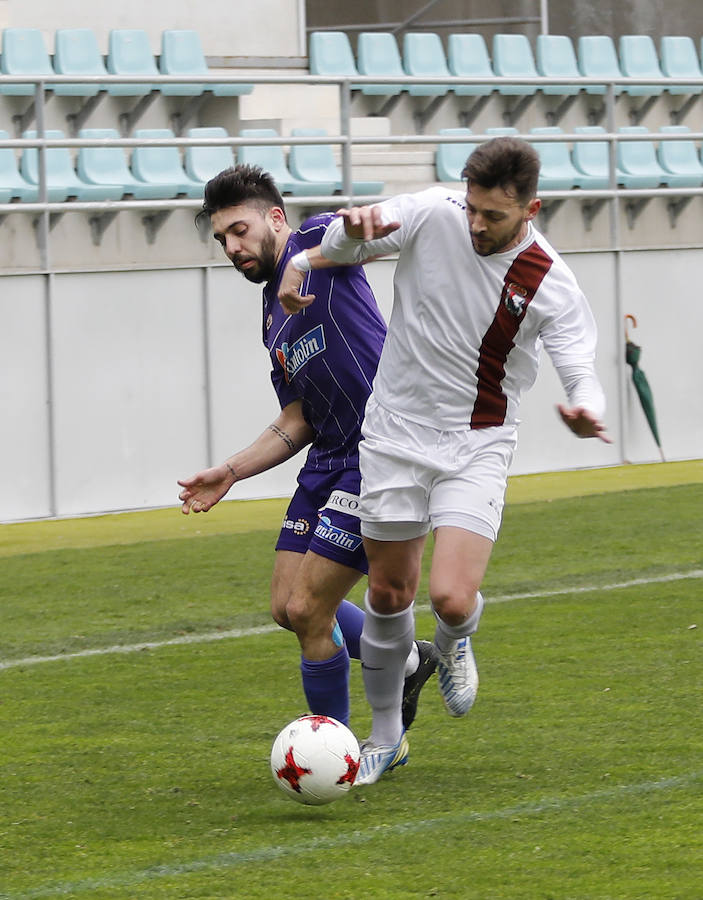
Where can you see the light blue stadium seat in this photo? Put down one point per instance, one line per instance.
(467, 57)
(512, 57)
(61, 179)
(203, 163)
(330, 53)
(679, 159)
(108, 165)
(590, 158)
(450, 159)
(637, 161)
(638, 59)
(680, 60)
(597, 59)
(557, 172)
(182, 54)
(272, 159)
(377, 55)
(76, 52)
(556, 57)
(162, 165)
(500, 130)
(23, 53)
(13, 186)
(423, 55)
(316, 162)
(129, 53)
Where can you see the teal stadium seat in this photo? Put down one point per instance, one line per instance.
(467, 57)
(272, 159)
(679, 159)
(13, 186)
(182, 54)
(500, 130)
(591, 158)
(129, 53)
(557, 172)
(450, 159)
(316, 162)
(512, 57)
(597, 59)
(108, 165)
(203, 163)
(423, 55)
(61, 179)
(330, 53)
(377, 55)
(556, 57)
(23, 53)
(637, 161)
(76, 52)
(680, 60)
(162, 165)
(638, 59)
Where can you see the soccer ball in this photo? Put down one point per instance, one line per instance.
(315, 759)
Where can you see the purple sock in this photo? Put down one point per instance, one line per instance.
(351, 620)
(326, 685)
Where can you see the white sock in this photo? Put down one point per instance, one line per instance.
(385, 646)
(412, 662)
(447, 635)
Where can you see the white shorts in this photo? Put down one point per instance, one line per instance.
(415, 478)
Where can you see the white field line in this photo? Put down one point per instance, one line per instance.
(211, 636)
(272, 852)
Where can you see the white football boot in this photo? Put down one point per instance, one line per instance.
(458, 677)
(377, 760)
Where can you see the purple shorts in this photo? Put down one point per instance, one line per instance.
(323, 516)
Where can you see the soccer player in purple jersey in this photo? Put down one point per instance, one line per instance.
(323, 363)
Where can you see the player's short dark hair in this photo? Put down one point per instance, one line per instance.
(238, 185)
(506, 162)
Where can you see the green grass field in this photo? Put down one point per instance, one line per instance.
(141, 686)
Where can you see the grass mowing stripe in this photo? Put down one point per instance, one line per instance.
(355, 838)
(211, 636)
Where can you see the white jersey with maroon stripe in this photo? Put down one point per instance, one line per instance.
(466, 330)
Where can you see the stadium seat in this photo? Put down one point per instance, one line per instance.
(203, 163)
(679, 159)
(13, 185)
(591, 158)
(423, 55)
(108, 165)
(129, 53)
(182, 54)
(557, 172)
(467, 57)
(638, 59)
(680, 60)
(597, 59)
(555, 58)
(76, 52)
(377, 55)
(450, 159)
(162, 165)
(272, 159)
(316, 162)
(500, 130)
(61, 179)
(637, 161)
(330, 53)
(512, 57)
(23, 53)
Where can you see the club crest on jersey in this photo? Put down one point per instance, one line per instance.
(515, 299)
(294, 356)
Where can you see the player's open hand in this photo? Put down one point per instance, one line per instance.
(365, 223)
(583, 423)
(289, 294)
(201, 492)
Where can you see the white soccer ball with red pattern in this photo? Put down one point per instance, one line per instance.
(315, 759)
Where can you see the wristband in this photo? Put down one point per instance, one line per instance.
(301, 262)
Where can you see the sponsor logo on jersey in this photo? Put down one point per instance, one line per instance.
(337, 536)
(344, 502)
(294, 356)
(297, 526)
(515, 299)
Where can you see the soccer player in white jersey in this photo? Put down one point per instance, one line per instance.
(477, 291)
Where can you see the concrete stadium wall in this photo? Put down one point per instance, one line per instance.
(114, 384)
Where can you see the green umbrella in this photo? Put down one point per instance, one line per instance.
(644, 392)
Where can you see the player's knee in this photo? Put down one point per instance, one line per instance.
(454, 606)
(387, 598)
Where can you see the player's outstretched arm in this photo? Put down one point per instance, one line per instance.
(365, 223)
(583, 423)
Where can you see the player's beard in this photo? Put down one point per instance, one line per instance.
(265, 267)
(487, 247)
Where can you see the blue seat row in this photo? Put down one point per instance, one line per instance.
(76, 52)
(640, 164)
(422, 54)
